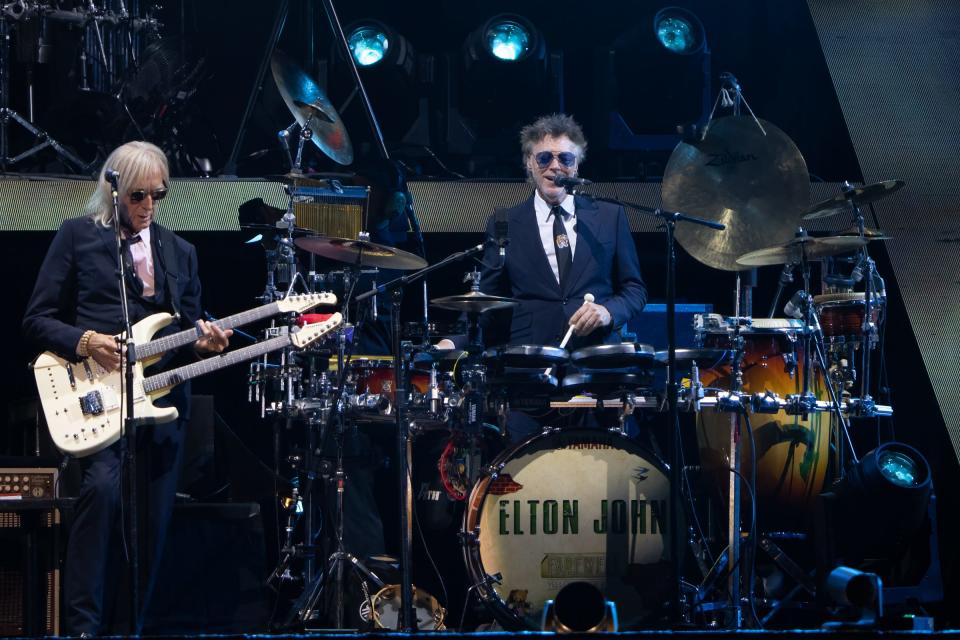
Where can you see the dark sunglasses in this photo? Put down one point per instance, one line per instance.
(566, 158)
(139, 195)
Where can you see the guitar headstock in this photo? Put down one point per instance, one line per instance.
(312, 332)
(305, 301)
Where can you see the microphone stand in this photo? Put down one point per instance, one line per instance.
(128, 435)
(670, 220)
(407, 621)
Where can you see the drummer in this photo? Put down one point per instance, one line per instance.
(561, 247)
(586, 248)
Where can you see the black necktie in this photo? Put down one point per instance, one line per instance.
(562, 244)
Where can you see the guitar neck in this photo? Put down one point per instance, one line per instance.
(182, 374)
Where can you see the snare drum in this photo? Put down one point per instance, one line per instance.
(841, 315)
(570, 506)
(792, 453)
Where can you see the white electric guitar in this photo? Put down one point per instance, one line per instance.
(82, 401)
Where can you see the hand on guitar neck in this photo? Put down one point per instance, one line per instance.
(107, 351)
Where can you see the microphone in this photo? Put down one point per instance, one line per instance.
(112, 176)
(500, 229)
(568, 181)
(793, 308)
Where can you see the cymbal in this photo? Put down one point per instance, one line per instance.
(474, 302)
(365, 253)
(311, 108)
(868, 233)
(756, 184)
(861, 195)
(813, 248)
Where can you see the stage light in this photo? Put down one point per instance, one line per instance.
(504, 39)
(508, 40)
(679, 31)
(655, 79)
(859, 596)
(883, 500)
(368, 44)
(501, 78)
(394, 77)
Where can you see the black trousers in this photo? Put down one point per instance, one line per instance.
(95, 565)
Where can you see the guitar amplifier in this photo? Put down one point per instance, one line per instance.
(28, 483)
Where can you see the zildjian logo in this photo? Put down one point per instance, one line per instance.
(729, 157)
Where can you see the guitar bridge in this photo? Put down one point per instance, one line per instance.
(91, 404)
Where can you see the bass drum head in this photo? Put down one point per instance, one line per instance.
(571, 506)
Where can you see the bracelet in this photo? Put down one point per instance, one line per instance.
(83, 348)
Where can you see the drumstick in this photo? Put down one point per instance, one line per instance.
(587, 297)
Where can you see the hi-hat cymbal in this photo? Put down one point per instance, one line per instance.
(755, 182)
(474, 302)
(311, 108)
(840, 203)
(791, 252)
(365, 253)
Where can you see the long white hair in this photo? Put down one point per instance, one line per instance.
(133, 161)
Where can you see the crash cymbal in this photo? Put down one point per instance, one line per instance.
(813, 248)
(757, 184)
(365, 253)
(311, 108)
(840, 203)
(868, 233)
(474, 302)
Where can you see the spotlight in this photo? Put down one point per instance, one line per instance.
(503, 78)
(394, 76)
(655, 81)
(505, 38)
(885, 499)
(679, 31)
(859, 597)
(369, 43)
(508, 40)
(579, 607)
(373, 44)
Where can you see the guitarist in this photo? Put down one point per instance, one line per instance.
(75, 311)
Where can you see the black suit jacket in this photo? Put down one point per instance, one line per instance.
(77, 290)
(605, 264)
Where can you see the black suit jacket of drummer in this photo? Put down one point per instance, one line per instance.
(605, 264)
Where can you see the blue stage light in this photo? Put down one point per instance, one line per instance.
(508, 40)
(369, 44)
(679, 31)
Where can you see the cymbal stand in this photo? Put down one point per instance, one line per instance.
(404, 444)
(865, 405)
(7, 114)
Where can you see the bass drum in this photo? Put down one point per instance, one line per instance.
(570, 506)
(792, 453)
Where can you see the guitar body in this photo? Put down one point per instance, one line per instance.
(83, 404)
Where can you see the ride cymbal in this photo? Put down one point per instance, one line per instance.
(362, 252)
(805, 246)
(311, 108)
(754, 181)
(840, 203)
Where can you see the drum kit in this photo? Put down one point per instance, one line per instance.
(580, 501)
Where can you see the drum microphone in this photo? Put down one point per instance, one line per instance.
(793, 308)
(568, 181)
